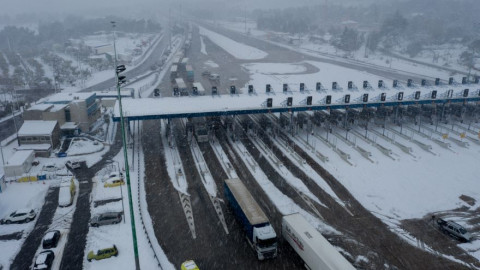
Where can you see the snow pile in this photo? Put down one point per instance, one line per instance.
(277, 68)
(236, 49)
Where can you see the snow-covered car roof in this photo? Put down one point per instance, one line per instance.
(23, 211)
(41, 258)
(49, 235)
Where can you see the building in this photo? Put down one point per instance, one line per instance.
(19, 164)
(101, 49)
(39, 136)
(53, 112)
(81, 108)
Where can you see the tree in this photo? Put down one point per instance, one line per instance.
(350, 40)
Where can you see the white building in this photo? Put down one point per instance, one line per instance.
(19, 164)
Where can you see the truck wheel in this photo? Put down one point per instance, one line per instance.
(89, 260)
(28, 220)
(8, 222)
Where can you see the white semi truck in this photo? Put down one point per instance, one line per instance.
(313, 248)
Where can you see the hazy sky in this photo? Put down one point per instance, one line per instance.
(14, 7)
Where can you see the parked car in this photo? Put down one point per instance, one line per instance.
(19, 216)
(114, 182)
(206, 73)
(106, 219)
(454, 229)
(52, 167)
(44, 260)
(214, 77)
(75, 164)
(189, 265)
(50, 240)
(102, 254)
(112, 175)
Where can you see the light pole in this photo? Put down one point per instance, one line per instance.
(121, 80)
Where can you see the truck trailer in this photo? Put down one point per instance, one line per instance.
(259, 233)
(190, 74)
(316, 252)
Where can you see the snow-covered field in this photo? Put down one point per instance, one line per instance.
(448, 55)
(236, 49)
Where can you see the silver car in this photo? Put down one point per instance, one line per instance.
(454, 229)
(106, 219)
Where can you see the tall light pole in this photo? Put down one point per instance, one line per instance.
(121, 80)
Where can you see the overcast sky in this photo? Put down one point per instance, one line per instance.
(13, 7)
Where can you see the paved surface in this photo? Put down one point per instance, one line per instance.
(213, 248)
(24, 258)
(74, 253)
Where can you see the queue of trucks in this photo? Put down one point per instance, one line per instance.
(315, 251)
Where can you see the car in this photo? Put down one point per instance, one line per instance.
(454, 229)
(106, 219)
(206, 73)
(214, 77)
(50, 240)
(74, 164)
(189, 265)
(66, 193)
(102, 254)
(112, 175)
(19, 216)
(114, 182)
(51, 168)
(44, 260)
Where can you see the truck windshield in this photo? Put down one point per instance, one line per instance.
(263, 243)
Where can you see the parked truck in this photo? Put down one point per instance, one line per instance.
(260, 234)
(313, 248)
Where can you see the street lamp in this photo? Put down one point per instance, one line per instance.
(121, 80)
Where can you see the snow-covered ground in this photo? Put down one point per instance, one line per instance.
(82, 146)
(32, 197)
(236, 49)
(448, 54)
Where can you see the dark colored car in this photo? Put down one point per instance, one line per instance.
(50, 240)
(44, 260)
(106, 219)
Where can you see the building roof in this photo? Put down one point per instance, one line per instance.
(125, 92)
(40, 107)
(37, 127)
(45, 107)
(65, 98)
(19, 157)
(69, 125)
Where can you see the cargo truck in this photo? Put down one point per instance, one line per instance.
(313, 248)
(190, 74)
(259, 233)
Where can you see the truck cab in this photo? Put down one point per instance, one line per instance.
(265, 242)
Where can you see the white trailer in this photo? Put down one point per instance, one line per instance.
(200, 89)
(182, 87)
(313, 248)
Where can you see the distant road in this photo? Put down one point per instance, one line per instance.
(137, 71)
